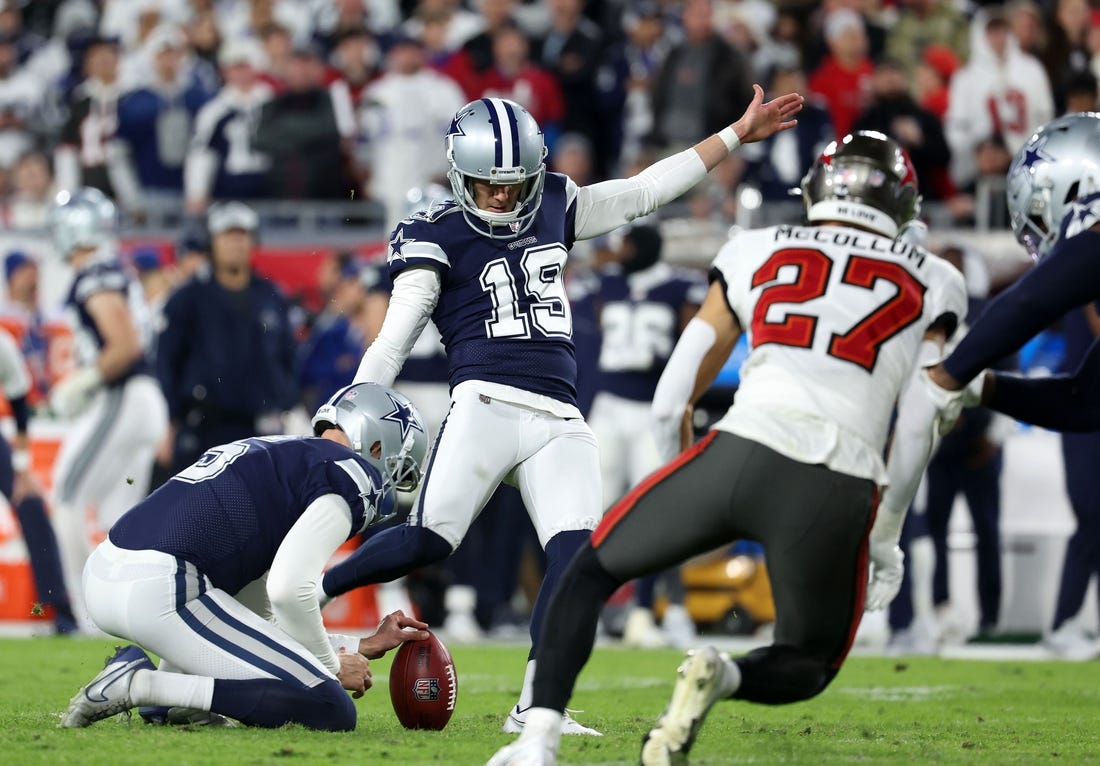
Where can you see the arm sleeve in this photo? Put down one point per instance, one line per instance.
(415, 293)
(1060, 402)
(608, 205)
(916, 436)
(1065, 279)
(677, 383)
(297, 570)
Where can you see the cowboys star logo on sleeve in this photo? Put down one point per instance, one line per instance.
(397, 243)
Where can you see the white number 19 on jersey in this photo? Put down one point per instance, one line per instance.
(548, 310)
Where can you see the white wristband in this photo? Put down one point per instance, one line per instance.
(20, 460)
(729, 137)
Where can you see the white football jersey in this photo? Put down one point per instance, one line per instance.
(834, 317)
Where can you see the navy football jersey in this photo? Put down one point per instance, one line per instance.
(502, 311)
(640, 319)
(228, 129)
(228, 513)
(96, 277)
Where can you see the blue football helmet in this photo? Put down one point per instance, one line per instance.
(1059, 164)
(498, 141)
(384, 429)
(82, 219)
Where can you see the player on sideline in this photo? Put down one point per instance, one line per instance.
(1054, 205)
(838, 313)
(192, 571)
(119, 413)
(488, 269)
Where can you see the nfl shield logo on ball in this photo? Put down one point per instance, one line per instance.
(426, 689)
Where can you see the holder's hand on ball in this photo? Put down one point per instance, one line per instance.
(394, 630)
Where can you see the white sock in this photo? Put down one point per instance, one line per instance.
(922, 565)
(731, 677)
(527, 691)
(149, 687)
(544, 723)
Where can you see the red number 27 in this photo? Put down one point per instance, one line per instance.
(860, 345)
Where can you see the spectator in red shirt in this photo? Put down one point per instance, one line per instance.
(843, 79)
(514, 77)
(933, 74)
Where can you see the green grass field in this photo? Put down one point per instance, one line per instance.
(877, 711)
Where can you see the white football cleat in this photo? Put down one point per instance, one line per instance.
(517, 720)
(695, 692)
(526, 751)
(109, 692)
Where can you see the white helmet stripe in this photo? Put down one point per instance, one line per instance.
(508, 138)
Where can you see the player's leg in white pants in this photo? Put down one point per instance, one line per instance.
(230, 660)
(105, 463)
(560, 485)
(608, 428)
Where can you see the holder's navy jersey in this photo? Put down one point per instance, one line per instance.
(228, 513)
(502, 312)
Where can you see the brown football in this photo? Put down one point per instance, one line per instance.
(423, 684)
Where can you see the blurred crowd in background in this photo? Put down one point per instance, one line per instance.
(195, 100)
(171, 106)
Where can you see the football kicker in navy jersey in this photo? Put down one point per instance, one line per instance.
(488, 269)
(497, 290)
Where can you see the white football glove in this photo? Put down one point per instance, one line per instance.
(949, 404)
(887, 560)
(72, 395)
(887, 565)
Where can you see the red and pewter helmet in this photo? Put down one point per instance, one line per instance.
(865, 179)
